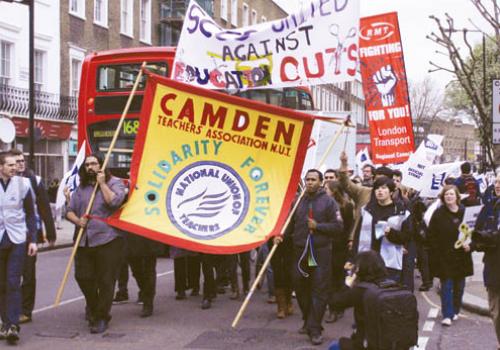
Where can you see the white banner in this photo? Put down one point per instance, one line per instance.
(318, 45)
(430, 147)
(413, 172)
(323, 133)
(435, 175)
(71, 179)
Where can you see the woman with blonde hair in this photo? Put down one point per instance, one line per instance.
(451, 265)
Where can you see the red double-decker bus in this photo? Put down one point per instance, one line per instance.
(106, 81)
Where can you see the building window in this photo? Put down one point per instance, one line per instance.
(77, 8)
(76, 69)
(223, 9)
(234, 12)
(127, 17)
(145, 30)
(5, 62)
(246, 15)
(254, 17)
(101, 12)
(39, 69)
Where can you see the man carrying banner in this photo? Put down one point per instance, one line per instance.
(101, 248)
(311, 228)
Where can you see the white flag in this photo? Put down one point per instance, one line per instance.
(71, 179)
(362, 158)
(430, 147)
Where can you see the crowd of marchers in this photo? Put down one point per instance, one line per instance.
(352, 241)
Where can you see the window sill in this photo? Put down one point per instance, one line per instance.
(131, 36)
(146, 42)
(77, 15)
(100, 24)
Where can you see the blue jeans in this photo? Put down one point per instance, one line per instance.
(11, 269)
(452, 291)
(335, 345)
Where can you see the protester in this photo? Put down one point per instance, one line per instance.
(17, 236)
(56, 212)
(101, 248)
(312, 226)
(420, 233)
(383, 227)
(282, 262)
(242, 260)
(368, 268)
(467, 184)
(330, 175)
(487, 238)
(360, 195)
(339, 242)
(449, 264)
(141, 255)
(368, 175)
(262, 253)
(186, 272)
(43, 215)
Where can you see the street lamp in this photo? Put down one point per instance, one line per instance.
(31, 103)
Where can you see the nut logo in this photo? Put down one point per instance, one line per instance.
(207, 200)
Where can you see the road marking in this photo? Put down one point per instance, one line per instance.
(60, 304)
(428, 326)
(429, 301)
(433, 312)
(422, 343)
(69, 301)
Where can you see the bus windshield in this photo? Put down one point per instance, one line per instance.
(121, 77)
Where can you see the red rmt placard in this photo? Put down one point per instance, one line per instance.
(385, 88)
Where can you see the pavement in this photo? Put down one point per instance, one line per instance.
(475, 297)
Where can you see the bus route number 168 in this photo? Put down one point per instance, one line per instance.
(130, 127)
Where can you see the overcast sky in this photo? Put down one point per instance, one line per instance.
(415, 25)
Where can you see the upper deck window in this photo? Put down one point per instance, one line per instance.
(121, 77)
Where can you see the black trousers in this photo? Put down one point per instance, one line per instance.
(28, 286)
(144, 271)
(208, 264)
(243, 259)
(281, 263)
(123, 278)
(187, 273)
(96, 270)
(313, 291)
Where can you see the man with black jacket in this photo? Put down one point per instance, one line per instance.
(43, 215)
(315, 221)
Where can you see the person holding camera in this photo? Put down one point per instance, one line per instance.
(486, 238)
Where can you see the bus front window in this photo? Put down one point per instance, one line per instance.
(121, 77)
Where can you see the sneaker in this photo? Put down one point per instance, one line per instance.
(455, 318)
(120, 298)
(316, 339)
(446, 322)
(12, 334)
(3, 332)
(24, 318)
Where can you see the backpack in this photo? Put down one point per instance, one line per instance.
(470, 187)
(391, 316)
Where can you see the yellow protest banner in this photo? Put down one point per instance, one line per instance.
(212, 172)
